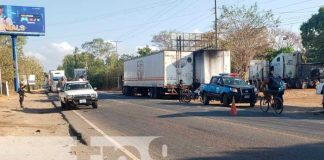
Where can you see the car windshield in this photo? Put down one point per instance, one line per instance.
(233, 81)
(77, 86)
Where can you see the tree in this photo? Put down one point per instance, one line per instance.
(163, 40)
(284, 39)
(312, 33)
(245, 32)
(6, 61)
(144, 51)
(98, 47)
(30, 65)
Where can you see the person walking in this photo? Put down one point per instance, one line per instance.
(21, 92)
(180, 89)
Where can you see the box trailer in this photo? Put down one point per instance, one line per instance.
(160, 72)
(258, 70)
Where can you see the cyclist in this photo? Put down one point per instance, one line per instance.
(273, 87)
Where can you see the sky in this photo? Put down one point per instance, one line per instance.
(69, 23)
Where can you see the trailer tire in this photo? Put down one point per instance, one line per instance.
(129, 91)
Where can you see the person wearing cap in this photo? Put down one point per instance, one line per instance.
(21, 92)
(4, 20)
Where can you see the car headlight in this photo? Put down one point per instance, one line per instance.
(69, 96)
(93, 95)
(234, 90)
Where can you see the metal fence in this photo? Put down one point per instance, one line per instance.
(190, 41)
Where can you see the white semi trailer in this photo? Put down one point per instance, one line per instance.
(54, 78)
(160, 72)
(289, 67)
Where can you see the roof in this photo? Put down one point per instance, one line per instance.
(69, 82)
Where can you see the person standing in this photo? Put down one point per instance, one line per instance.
(180, 89)
(21, 92)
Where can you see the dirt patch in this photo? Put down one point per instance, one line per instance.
(302, 98)
(39, 117)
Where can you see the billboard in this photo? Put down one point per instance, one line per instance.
(21, 20)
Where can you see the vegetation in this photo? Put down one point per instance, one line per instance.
(144, 51)
(312, 33)
(245, 32)
(28, 65)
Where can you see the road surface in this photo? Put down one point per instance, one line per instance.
(194, 131)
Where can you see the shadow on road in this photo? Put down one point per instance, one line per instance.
(38, 110)
(313, 151)
(245, 113)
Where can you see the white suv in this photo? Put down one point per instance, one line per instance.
(75, 93)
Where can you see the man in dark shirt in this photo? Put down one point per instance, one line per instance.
(180, 89)
(21, 92)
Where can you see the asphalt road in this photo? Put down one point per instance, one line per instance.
(194, 131)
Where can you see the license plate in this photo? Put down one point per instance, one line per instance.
(246, 97)
(83, 101)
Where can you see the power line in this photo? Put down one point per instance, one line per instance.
(300, 2)
(116, 13)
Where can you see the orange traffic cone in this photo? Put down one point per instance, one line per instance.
(233, 108)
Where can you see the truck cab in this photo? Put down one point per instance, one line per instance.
(225, 87)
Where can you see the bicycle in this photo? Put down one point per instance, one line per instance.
(274, 101)
(191, 95)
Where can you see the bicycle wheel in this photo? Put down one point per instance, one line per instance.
(278, 105)
(264, 105)
(187, 98)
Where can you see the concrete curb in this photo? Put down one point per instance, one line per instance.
(72, 130)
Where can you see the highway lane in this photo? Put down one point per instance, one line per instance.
(194, 131)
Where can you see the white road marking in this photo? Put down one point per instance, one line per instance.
(128, 153)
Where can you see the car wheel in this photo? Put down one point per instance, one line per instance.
(95, 105)
(205, 99)
(226, 102)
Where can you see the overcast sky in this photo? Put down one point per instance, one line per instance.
(69, 23)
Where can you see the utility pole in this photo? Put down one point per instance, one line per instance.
(116, 42)
(216, 34)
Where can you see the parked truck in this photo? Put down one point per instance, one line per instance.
(289, 67)
(54, 77)
(226, 87)
(159, 73)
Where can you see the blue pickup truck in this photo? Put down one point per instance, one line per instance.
(224, 87)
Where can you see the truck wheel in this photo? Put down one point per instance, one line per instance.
(205, 99)
(95, 105)
(226, 101)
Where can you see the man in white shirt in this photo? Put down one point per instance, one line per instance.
(4, 21)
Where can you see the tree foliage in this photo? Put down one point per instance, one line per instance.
(98, 47)
(245, 32)
(104, 66)
(27, 65)
(312, 33)
(163, 40)
(144, 51)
